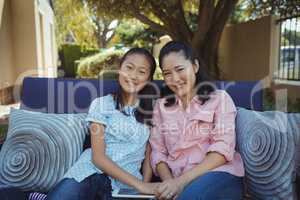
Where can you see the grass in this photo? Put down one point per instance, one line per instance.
(3, 130)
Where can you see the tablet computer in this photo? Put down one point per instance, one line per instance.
(131, 193)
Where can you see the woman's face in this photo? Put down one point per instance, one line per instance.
(134, 73)
(179, 74)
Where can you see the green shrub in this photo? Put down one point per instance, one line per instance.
(268, 100)
(3, 131)
(295, 106)
(270, 104)
(69, 53)
(103, 64)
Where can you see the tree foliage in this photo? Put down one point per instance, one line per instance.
(199, 23)
(290, 37)
(282, 8)
(175, 17)
(133, 33)
(72, 24)
(77, 22)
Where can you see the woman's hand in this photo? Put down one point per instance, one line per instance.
(170, 189)
(148, 188)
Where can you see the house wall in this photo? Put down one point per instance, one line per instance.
(249, 51)
(245, 50)
(1, 9)
(27, 41)
(46, 45)
(6, 48)
(24, 38)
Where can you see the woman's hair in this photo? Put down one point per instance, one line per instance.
(143, 113)
(203, 80)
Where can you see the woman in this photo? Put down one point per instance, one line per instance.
(193, 138)
(119, 134)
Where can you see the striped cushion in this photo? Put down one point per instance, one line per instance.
(268, 142)
(40, 148)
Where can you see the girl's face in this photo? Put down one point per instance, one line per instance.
(134, 73)
(179, 74)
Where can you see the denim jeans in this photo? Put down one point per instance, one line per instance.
(214, 186)
(94, 187)
(9, 193)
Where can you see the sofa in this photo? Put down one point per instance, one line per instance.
(55, 95)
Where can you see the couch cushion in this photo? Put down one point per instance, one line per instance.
(268, 142)
(54, 95)
(40, 148)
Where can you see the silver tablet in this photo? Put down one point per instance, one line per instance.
(131, 193)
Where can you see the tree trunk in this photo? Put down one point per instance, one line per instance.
(211, 23)
(205, 40)
(212, 18)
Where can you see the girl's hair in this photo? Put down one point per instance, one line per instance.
(203, 80)
(143, 113)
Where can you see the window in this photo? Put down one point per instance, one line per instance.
(289, 54)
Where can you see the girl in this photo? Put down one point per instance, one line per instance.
(193, 138)
(119, 134)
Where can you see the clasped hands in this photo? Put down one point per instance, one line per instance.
(168, 189)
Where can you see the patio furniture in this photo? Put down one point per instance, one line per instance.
(54, 95)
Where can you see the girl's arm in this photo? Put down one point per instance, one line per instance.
(147, 170)
(106, 165)
(159, 151)
(164, 171)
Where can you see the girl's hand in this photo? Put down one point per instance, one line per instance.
(148, 188)
(170, 189)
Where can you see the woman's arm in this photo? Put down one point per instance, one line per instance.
(147, 170)
(221, 149)
(106, 165)
(174, 186)
(211, 161)
(222, 140)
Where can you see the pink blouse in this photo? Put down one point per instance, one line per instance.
(181, 138)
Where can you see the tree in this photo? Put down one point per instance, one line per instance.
(199, 23)
(282, 8)
(72, 24)
(170, 17)
(104, 27)
(78, 22)
(290, 37)
(133, 33)
(242, 13)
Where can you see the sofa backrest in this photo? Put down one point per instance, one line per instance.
(55, 95)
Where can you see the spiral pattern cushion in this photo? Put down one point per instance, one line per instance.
(267, 142)
(40, 148)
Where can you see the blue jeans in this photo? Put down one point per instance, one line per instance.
(214, 186)
(94, 187)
